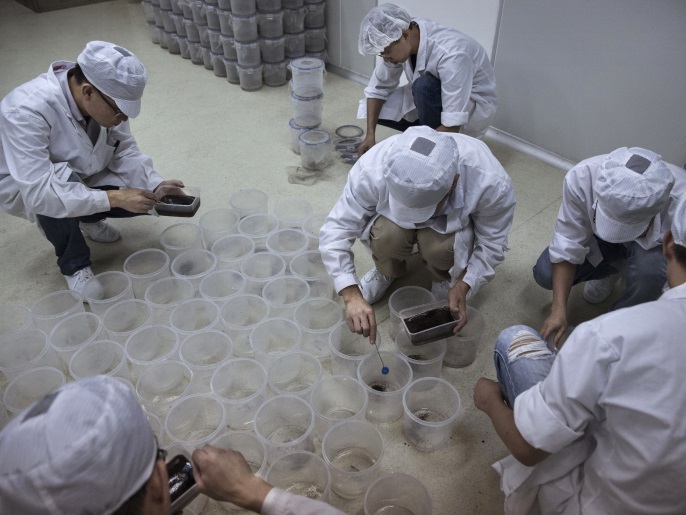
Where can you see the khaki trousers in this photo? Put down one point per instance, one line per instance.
(392, 245)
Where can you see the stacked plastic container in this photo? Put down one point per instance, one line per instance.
(250, 42)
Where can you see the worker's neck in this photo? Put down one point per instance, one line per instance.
(77, 95)
(414, 39)
(676, 276)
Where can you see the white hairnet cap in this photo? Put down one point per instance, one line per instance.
(84, 448)
(116, 72)
(382, 26)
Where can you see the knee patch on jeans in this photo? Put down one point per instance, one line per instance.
(526, 344)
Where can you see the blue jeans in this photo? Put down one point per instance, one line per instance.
(644, 276)
(70, 245)
(517, 373)
(426, 91)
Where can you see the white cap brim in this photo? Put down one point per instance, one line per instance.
(613, 231)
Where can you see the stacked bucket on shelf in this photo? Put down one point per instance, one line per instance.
(249, 42)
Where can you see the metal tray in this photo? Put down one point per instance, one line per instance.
(430, 334)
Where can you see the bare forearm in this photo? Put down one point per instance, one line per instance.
(443, 128)
(502, 418)
(374, 106)
(563, 277)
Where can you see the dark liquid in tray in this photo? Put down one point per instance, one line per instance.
(167, 206)
(429, 319)
(177, 200)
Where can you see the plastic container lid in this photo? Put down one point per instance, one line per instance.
(349, 131)
(314, 137)
(307, 63)
(297, 98)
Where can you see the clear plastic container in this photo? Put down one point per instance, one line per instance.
(301, 473)
(425, 360)
(241, 385)
(295, 372)
(248, 202)
(194, 265)
(194, 421)
(229, 47)
(292, 212)
(268, 5)
(74, 332)
(198, 8)
(244, 27)
(294, 20)
(250, 78)
(287, 243)
(184, 50)
(252, 449)
(336, 398)
(428, 322)
(167, 21)
(173, 43)
(175, 7)
(148, 10)
(225, 22)
(307, 112)
(283, 294)
(353, 450)
(462, 347)
(152, 32)
(125, 317)
(224, 5)
(103, 357)
(180, 237)
(144, 267)
(292, 4)
(186, 9)
(248, 54)
(162, 384)
(270, 24)
(194, 316)
(162, 37)
(212, 14)
(207, 57)
(275, 74)
(204, 353)
(221, 285)
(315, 40)
(239, 316)
(217, 223)
(215, 39)
(403, 298)
(294, 45)
(165, 294)
(231, 66)
(14, 318)
(50, 309)
(192, 32)
(273, 49)
(431, 406)
(285, 424)
(25, 350)
(315, 149)
(259, 228)
(308, 77)
(385, 391)
(150, 346)
(157, 14)
(317, 318)
(272, 338)
(294, 132)
(243, 6)
(348, 349)
(259, 269)
(106, 289)
(316, 15)
(232, 250)
(312, 225)
(31, 386)
(397, 493)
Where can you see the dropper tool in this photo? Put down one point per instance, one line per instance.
(384, 368)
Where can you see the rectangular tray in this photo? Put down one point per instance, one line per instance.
(178, 205)
(443, 328)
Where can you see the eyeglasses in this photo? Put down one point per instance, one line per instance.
(114, 108)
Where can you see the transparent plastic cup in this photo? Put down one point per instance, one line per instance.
(239, 316)
(431, 406)
(50, 309)
(294, 132)
(194, 421)
(165, 294)
(241, 384)
(182, 236)
(283, 294)
(462, 347)
(31, 386)
(336, 398)
(385, 391)
(301, 473)
(217, 223)
(258, 227)
(14, 318)
(348, 349)
(162, 384)
(252, 449)
(312, 225)
(307, 112)
(156, 426)
(295, 373)
(204, 353)
(106, 289)
(308, 76)
(403, 298)
(248, 202)
(309, 266)
(259, 269)
(270, 24)
(220, 285)
(317, 318)
(194, 316)
(285, 424)
(287, 243)
(125, 317)
(426, 360)
(292, 212)
(150, 346)
(103, 357)
(397, 493)
(353, 450)
(244, 27)
(273, 50)
(232, 250)
(194, 265)
(243, 7)
(145, 267)
(272, 338)
(25, 350)
(315, 148)
(74, 332)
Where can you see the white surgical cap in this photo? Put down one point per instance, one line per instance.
(382, 26)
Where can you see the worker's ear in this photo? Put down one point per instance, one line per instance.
(668, 245)
(87, 90)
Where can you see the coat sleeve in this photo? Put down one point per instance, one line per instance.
(456, 73)
(384, 80)
(280, 502)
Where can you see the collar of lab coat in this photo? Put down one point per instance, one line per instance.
(56, 69)
(420, 65)
(678, 292)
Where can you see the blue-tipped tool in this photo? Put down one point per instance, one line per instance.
(384, 368)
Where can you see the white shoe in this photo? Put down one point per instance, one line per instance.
(597, 291)
(101, 232)
(77, 282)
(374, 285)
(440, 290)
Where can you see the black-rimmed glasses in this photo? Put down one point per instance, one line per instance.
(117, 111)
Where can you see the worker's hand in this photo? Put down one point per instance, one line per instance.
(486, 393)
(358, 313)
(457, 300)
(133, 200)
(368, 142)
(169, 187)
(555, 325)
(224, 475)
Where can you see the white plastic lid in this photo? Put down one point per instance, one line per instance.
(307, 63)
(314, 137)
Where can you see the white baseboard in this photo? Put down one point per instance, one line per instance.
(529, 149)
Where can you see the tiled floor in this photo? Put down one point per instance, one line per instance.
(211, 134)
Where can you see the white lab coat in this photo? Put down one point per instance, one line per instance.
(43, 149)
(468, 90)
(280, 502)
(573, 239)
(612, 412)
(479, 213)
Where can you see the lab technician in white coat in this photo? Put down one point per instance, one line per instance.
(444, 192)
(67, 157)
(615, 209)
(451, 85)
(599, 427)
(87, 448)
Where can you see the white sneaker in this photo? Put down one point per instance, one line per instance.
(374, 285)
(597, 291)
(440, 290)
(101, 232)
(77, 282)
